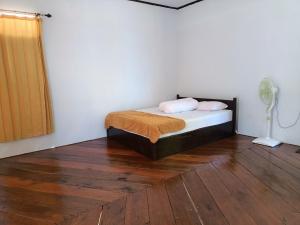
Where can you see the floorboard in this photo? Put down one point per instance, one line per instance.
(137, 211)
(114, 213)
(273, 177)
(228, 182)
(160, 211)
(183, 207)
(207, 208)
(259, 212)
(229, 204)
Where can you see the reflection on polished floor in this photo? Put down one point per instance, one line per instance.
(227, 182)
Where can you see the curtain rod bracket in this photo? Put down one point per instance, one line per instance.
(45, 15)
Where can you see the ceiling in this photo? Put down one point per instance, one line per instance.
(173, 3)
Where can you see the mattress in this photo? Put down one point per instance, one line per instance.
(195, 119)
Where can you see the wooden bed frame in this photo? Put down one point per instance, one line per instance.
(177, 143)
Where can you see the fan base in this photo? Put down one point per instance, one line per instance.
(267, 141)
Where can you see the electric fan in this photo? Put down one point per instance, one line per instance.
(267, 93)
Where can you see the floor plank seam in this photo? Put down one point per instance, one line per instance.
(174, 217)
(192, 202)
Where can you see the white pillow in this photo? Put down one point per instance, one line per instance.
(180, 105)
(211, 106)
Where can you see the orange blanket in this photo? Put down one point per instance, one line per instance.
(148, 125)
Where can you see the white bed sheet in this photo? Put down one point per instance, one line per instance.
(195, 119)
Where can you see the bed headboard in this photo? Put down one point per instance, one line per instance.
(232, 105)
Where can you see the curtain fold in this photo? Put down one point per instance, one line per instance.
(25, 105)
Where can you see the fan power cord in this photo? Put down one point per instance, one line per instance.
(283, 126)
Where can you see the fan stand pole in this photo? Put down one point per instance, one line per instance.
(268, 140)
(269, 124)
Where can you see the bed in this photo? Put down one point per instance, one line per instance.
(201, 128)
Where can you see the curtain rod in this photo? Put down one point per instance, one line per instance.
(28, 13)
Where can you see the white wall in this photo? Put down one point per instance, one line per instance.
(227, 47)
(102, 55)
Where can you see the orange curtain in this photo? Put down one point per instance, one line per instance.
(25, 106)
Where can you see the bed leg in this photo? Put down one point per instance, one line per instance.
(108, 133)
(154, 155)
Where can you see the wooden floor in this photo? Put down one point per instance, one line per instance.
(227, 182)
